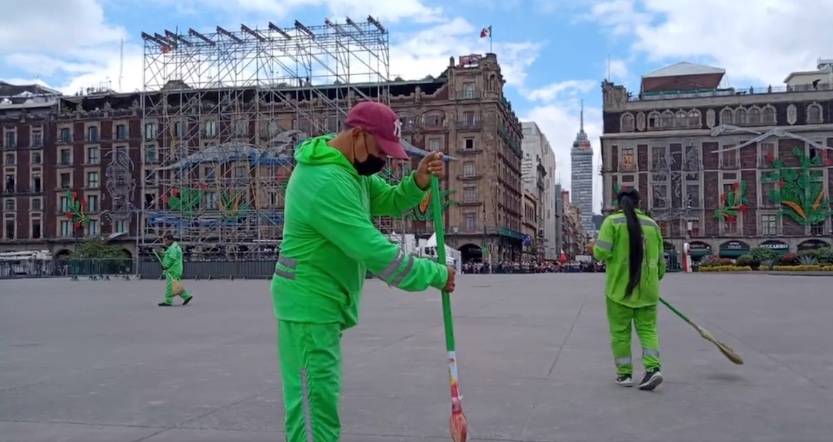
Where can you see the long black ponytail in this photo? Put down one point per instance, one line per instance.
(628, 201)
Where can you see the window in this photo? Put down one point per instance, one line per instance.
(92, 229)
(241, 171)
(65, 135)
(768, 194)
(694, 119)
(211, 200)
(470, 119)
(37, 137)
(65, 157)
(814, 114)
(150, 131)
(667, 120)
(92, 180)
(730, 226)
(470, 221)
(769, 116)
(435, 144)
(658, 157)
(726, 117)
(469, 143)
(120, 226)
(10, 159)
(37, 158)
(769, 225)
(64, 204)
(653, 120)
(469, 91)
(121, 132)
(817, 229)
(9, 205)
(692, 192)
(627, 122)
(740, 116)
(660, 196)
(434, 119)
(470, 194)
(92, 134)
(10, 227)
(66, 229)
(151, 156)
(210, 129)
(65, 179)
(209, 173)
(693, 226)
(628, 160)
(93, 156)
(92, 203)
(768, 154)
(36, 182)
(241, 127)
(178, 129)
(755, 117)
(37, 204)
(681, 119)
(468, 169)
(36, 234)
(10, 139)
(729, 157)
(9, 182)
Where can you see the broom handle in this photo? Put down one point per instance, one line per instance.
(439, 230)
(677, 312)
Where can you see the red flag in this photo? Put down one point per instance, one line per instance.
(486, 32)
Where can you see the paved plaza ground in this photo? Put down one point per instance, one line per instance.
(98, 361)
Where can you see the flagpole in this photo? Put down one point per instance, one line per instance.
(492, 51)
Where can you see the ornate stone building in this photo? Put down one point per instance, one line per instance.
(730, 169)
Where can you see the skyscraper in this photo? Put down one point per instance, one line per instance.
(582, 177)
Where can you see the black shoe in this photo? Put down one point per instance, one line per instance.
(164, 304)
(651, 380)
(186, 301)
(624, 380)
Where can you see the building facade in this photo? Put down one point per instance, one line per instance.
(726, 169)
(92, 166)
(581, 164)
(538, 174)
(530, 228)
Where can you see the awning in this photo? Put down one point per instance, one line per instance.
(777, 247)
(699, 249)
(733, 249)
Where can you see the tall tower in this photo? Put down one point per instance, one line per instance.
(582, 177)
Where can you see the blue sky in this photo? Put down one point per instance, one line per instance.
(554, 53)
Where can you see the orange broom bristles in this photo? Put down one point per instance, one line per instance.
(459, 426)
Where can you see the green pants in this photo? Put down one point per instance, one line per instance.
(644, 320)
(310, 357)
(169, 289)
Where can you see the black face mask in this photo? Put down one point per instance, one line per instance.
(371, 165)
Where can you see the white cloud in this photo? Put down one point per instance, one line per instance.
(560, 122)
(759, 42)
(554, 90)
(617, 70)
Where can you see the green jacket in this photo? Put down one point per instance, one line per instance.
(329, 240)
(612, 247)
(172, 261)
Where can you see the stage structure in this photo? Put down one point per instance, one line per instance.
(222, 114)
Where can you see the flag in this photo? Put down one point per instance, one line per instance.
(486, 32)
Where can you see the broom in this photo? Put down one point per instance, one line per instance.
(725, 349)
(457, 422)
(176, 286)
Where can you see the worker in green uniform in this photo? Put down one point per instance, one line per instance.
(172, 268)
(630, 244)
(329, 244)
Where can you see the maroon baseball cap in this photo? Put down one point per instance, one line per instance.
(380, 121)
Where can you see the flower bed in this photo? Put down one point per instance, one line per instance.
(726, 268)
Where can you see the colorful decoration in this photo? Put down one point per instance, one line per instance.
(797, 193)
(732, 203)
(76, 211)
(232, 204)
(423, 211)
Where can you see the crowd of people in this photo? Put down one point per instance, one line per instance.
(473, 267)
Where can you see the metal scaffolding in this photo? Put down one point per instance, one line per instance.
(222, 114)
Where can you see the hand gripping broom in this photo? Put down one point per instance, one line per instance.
(725, 349)
(457, 423)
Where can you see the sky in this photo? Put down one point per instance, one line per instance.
(554, 53)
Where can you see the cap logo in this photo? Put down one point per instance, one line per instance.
(397, 129)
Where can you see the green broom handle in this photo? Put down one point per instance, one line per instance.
(439, 230)
(677, 312)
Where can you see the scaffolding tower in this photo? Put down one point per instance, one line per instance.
(222, 113)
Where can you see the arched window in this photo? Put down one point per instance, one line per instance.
(433, 119)
(627, 122)
(653, 120)
(694, 119)
(814, 114)
(667, 120)
(740, 116)
(769, 116)
(755, 116)
(727, 117)
(681, 120)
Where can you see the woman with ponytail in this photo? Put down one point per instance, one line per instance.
(630, 244)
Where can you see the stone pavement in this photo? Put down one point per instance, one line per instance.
(98, 361)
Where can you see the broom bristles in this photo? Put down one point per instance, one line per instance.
(459, 427)
(725, 349)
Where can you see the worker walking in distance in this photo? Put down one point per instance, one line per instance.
(329, 243)
(630, 244)
(172, 269)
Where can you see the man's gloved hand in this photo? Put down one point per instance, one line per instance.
(451, 283)
(432, 164)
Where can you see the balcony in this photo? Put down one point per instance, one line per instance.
(469, 95)
(465, 177)
(469, 125)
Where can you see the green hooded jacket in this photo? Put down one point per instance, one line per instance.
(172, 260)
(612, 247)
(329, 240)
